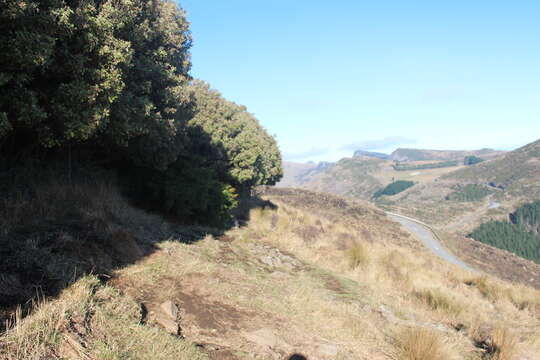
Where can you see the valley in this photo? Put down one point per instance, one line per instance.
(454, 199)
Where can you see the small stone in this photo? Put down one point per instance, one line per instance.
(264, 338)
(170, 309)
(171, 326)
(328, 349)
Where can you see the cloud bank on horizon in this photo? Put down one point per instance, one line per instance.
(387, 145)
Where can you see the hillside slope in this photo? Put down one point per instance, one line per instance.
(462, 199)
(348, 177)
(309, 273)
(403, 154)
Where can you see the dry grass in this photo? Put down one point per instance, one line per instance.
(422, 344)
(91, 321)
(487, 287)
(439, 299)
(357, 255)
(504, 345)
(287, 274)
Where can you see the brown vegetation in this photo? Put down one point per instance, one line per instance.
(263, 291)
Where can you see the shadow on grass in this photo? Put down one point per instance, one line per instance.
(54, 231)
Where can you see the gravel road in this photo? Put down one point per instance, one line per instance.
(429, 240)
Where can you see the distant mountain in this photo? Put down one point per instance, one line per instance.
(469, 195)
(296, 174)
(454, 197)
(349, 176)
(378, 155)
(403, 154)
(517, 168)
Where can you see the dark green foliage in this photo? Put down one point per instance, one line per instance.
(394, 188)
(246, 154)
(528, 217)
(107, 82)
(469, 192)
(185, 191)
(59, 69)
(519, 236)
(408, 167)
(471, 160)
(151, 111)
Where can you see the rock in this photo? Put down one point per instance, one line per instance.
(328, 349)
(386, 314)
(264, 338)
(170, 325)
(169, 309)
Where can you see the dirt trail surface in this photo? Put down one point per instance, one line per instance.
(426, 236)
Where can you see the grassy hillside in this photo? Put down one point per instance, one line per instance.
(462, 199)
(309, 273)
(517, 172)
(402, 154)
(362, 175)
(349, 176)
(519, 235)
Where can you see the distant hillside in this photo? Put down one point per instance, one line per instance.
(378, 155)
(464, 198)
(519, 235)
(520, 167)
(403, 154)
(348, 177)
(296, 174)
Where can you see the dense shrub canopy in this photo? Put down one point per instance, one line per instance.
(108, 80)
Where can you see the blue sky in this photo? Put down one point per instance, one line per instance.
(327, 77)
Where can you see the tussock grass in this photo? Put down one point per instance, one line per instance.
(487, 288)
(522, 297)
(503, 345)
(422, 344)
(357, 255)
(439, 299)
(91, 321)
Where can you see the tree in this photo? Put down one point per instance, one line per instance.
(148, 120)
(243, 153)
(60, 70)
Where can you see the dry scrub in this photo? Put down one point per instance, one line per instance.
(314, 275)
(422, 344)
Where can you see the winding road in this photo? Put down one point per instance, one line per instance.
(423, 232)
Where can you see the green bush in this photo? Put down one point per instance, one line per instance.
(108, 82)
